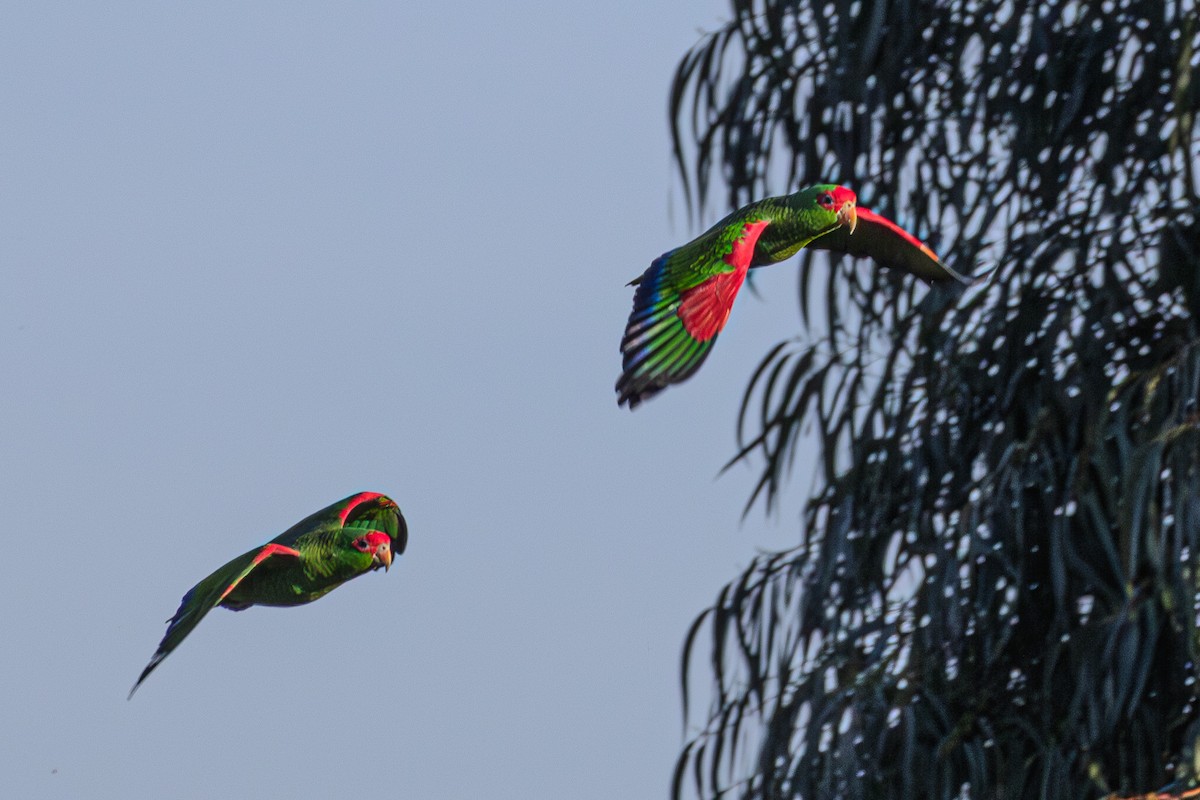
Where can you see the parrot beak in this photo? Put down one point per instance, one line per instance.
(383, 555)
(847, 215)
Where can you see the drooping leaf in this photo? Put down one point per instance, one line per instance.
(995, 589)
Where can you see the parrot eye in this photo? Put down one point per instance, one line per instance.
(825, 199)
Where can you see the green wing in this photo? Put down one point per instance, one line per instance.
(207, 595)
(682, 302)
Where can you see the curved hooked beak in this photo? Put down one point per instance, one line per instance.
(847, 215)
(383, 556)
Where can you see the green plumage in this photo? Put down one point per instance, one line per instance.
(658, 347)
(684, 298)
(307, 561)
(795, 220)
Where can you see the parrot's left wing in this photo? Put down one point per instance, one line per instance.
(207, 595)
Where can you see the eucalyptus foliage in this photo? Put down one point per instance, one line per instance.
(995, 591)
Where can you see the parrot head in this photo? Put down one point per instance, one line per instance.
(841, 201)
(365, 511)
(378, 545)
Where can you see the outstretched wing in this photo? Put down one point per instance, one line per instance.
(682, 302)
(890, 245)
(207, 595)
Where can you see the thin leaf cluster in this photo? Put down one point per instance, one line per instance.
(995, 592)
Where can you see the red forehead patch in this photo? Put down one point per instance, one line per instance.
(376, 538)
(841, 194)
(356, 501)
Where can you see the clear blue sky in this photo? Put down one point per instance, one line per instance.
(256, 260)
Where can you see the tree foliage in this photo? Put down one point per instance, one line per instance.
(995, 592)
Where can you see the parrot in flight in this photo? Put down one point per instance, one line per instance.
(312, 558)
(684, 298)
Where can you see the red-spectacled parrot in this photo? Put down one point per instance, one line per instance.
(683, 299)
(310, 559)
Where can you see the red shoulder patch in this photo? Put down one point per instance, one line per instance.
(704, 309)
(356, 501)
(266, 552)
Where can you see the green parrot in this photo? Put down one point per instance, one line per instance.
(310, 559)
(684, 298)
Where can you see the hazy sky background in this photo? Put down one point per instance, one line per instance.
(255, 259)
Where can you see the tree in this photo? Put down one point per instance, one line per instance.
(995, 590)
